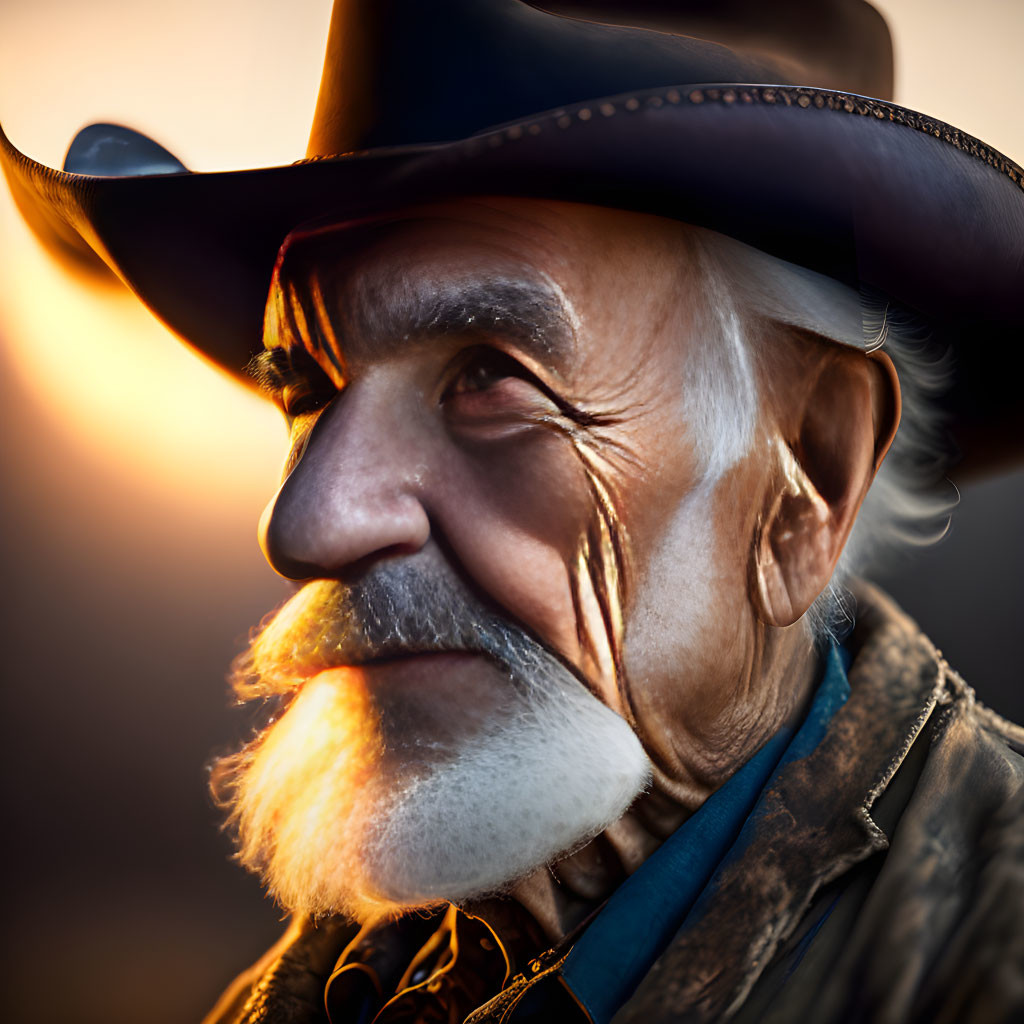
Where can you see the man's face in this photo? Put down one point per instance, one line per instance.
(489, 399)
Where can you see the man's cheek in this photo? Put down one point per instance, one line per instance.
(670, 623)
(521, 521)
(535, 482)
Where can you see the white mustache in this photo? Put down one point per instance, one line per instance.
(416, 605)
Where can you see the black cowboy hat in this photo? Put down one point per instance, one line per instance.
(744, 117)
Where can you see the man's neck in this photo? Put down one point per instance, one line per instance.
(779, 678)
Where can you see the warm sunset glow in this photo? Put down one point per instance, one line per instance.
(119, 382)
(224, 87)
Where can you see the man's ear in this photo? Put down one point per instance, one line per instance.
(842, 420)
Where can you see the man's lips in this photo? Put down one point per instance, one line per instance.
(410, 662)
(450, 668)
(419, 667)
(416, 656)
(436, 694)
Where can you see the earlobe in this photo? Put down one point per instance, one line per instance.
(824, 460)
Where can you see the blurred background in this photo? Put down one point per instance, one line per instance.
(133, 477)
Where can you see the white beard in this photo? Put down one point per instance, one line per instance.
(349, 806)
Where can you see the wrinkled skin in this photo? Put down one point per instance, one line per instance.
(424, 443)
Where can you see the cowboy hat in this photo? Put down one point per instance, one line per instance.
(749, 121)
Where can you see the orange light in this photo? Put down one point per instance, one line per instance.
(117, 381)
(223, 86)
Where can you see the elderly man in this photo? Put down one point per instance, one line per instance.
(586, 412)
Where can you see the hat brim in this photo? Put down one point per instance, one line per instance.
(860, 189)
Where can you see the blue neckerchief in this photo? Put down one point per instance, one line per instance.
(617, 950)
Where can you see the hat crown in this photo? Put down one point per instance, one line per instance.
(401, 72)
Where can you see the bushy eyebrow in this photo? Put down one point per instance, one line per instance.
(531, 312)
(374, 316)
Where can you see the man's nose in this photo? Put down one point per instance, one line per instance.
(357, 491)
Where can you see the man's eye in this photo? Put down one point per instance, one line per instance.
(299, 398)
(292, 379)
(484, 369)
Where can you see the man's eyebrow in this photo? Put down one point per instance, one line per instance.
(378, 318)
(531, 312)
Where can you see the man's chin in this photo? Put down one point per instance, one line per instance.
(354, 804)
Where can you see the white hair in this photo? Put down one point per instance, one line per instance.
(909, 503)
